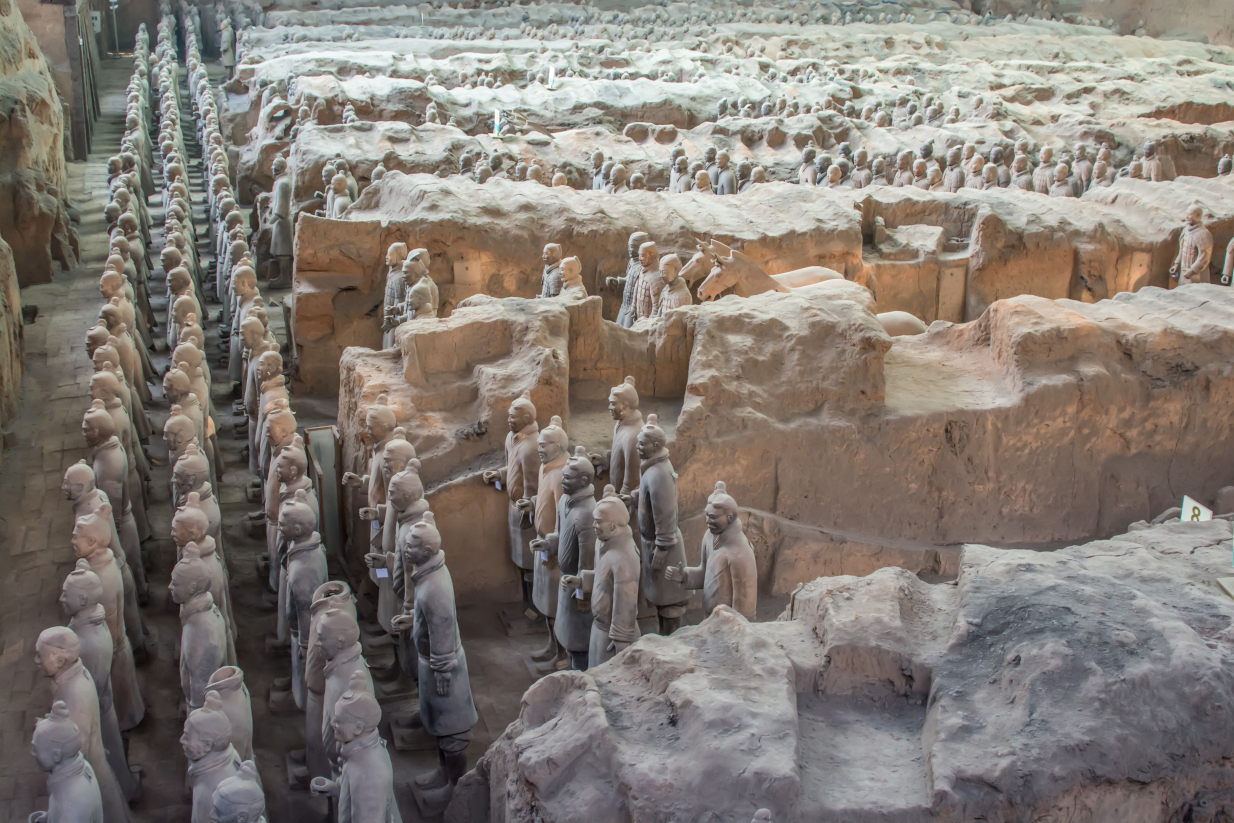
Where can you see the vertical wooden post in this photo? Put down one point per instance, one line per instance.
(77, 106)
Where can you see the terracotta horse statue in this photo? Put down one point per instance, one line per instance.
(726, 268)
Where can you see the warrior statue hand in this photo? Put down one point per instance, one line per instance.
(570, 581)
(491, 477)
(675, 574)
(526, 504)
(443, 683)
(402, 622)
(375, 560)
(351, 479)
(322, 785)
(659, 559)
(368, 513)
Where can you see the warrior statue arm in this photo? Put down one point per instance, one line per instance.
(624, 626)
(1228, 270)
(690, 577)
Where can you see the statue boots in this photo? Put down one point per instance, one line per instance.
(668, 625)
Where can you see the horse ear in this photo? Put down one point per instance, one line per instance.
(739, 256)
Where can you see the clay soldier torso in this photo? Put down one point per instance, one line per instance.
(551, 281)
(614, 595)
(338, 674)
(522, 480)
(280, 209)
(203, 646)
(627, 316)
(547, 578)
(315, 682)
(306, 571)
(440, 649)
(366, 766)
(76, 688)
(74, 794)
(126, 695)
(728, 574)
(576, 552)
(205, 775)
(657, 524)
(623, 462)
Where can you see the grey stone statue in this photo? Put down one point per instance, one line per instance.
(728, 574)
(365, 786)
(203, 633)
(656, 506)
(58, 656)
(446, 708)
(72, 785)
(212, 758)
(613, 584)
(520, 477)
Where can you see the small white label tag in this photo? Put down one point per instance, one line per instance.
(1194, 512)
(542, 557)
(498, 485)
(382, 573)
(578, 594)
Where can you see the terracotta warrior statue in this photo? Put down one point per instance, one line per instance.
(423, 297)
(551, 279)
(520, 478)
(663, 546)
(628, 284)
(239, 798)
(279, 273)
(190, 524)
(647, 289)
(303, 560)
(72, 785)
(57, 653)
(572, 279)
(552, 446)
(81, 598)
(338, 636)
(396, 292)
(234, 698)
(203, 633)
(212, 758)
(332, 595)
(675, 292)
(1195, 249)
(728, 574)
(111, 475)
(365, 785)
(91, 542)
(573, 547)
(379, 426)
(446, 708)
(622, 460)
(613, 584)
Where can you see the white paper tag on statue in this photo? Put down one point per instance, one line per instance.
(578, 594)
(1194, 512)
(497, 120)
(383, 573)
(497, 483)
(552, 77)
(542, 557)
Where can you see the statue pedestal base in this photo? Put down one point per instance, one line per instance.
(520, 621)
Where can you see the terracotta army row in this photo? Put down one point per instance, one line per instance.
(1010, 167)
(410, 293)
(652, 284)
(580, 565)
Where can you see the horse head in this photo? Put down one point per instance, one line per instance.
(696, 268)
(720, 278)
